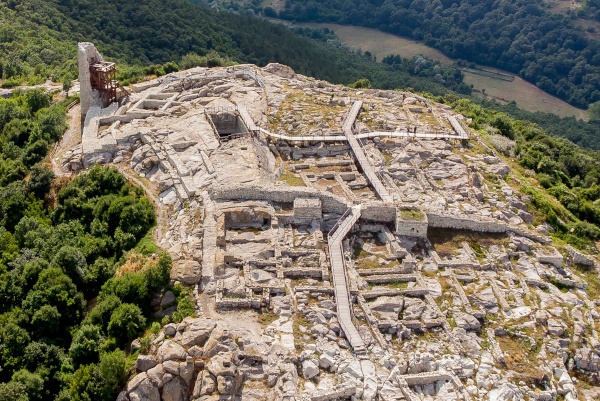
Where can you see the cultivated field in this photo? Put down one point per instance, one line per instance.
(526, 95)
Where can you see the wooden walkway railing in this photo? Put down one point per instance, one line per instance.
(340, 284)
(360, 155)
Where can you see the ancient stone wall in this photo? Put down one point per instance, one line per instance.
(308, 209)
(264, 154)
(411, 228)
(378, 211)
(439, 220)
(97, 149)
(331, 203)
(86, 54)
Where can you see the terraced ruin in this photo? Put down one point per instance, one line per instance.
(343, 244)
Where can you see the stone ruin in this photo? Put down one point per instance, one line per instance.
(343, 244)
(87, 54)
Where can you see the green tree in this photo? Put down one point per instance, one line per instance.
(86, 344)
(45, 322)
(32, 383)
(99, 382)
(594, 110)
(67, 85)
(13, 391)
(71, 261)
(112, 370)
(55, 288)
(101, 314)
(363, 83)
(126, 322)
(14, 339)
(37, 99)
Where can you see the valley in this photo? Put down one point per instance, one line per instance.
(526, 95)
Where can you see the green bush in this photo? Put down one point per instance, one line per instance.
(126, 322)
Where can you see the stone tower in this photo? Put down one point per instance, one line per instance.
(86, 56)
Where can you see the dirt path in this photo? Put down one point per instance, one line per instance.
(70, 139)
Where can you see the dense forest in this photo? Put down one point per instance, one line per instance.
(76, 269)
(518, 36)
(590, 10)
(38, 40)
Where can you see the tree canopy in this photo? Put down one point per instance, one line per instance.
(518, 36)
(60, 246)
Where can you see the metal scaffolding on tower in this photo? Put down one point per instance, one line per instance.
(103, 79)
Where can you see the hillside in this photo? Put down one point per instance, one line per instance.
(259, 234)
(521, 37)
(491, 84)
(157, 32)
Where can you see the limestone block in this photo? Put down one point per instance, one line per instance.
(412, 223)
(145, 362)
(309, 369)
(170, 350)
(552, 257)
(308, 208)
(186, 271)
(579, 258)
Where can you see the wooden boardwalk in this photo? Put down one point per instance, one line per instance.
(364, 135)
(248, 121)
(340, 285)
(360, 155)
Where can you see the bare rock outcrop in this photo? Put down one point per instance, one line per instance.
(199, 358)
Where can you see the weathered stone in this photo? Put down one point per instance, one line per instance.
(413, 309)
(522, 243)
(506, 392)
(174, 390)
(170, 350)
(145, 391)
(145, 362)
(186, 371)
(133, 383)
(221, 365)
(326, 361)
(579, 258)
(186, 271)
(156, 375)
(171, 367)
(280, 70)
(197, 332)
(466, 321)
(205, 384)
(168, 299)
(170, 330)
(309, 369)
(555, 328)
(225, 385)
(354, 369)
